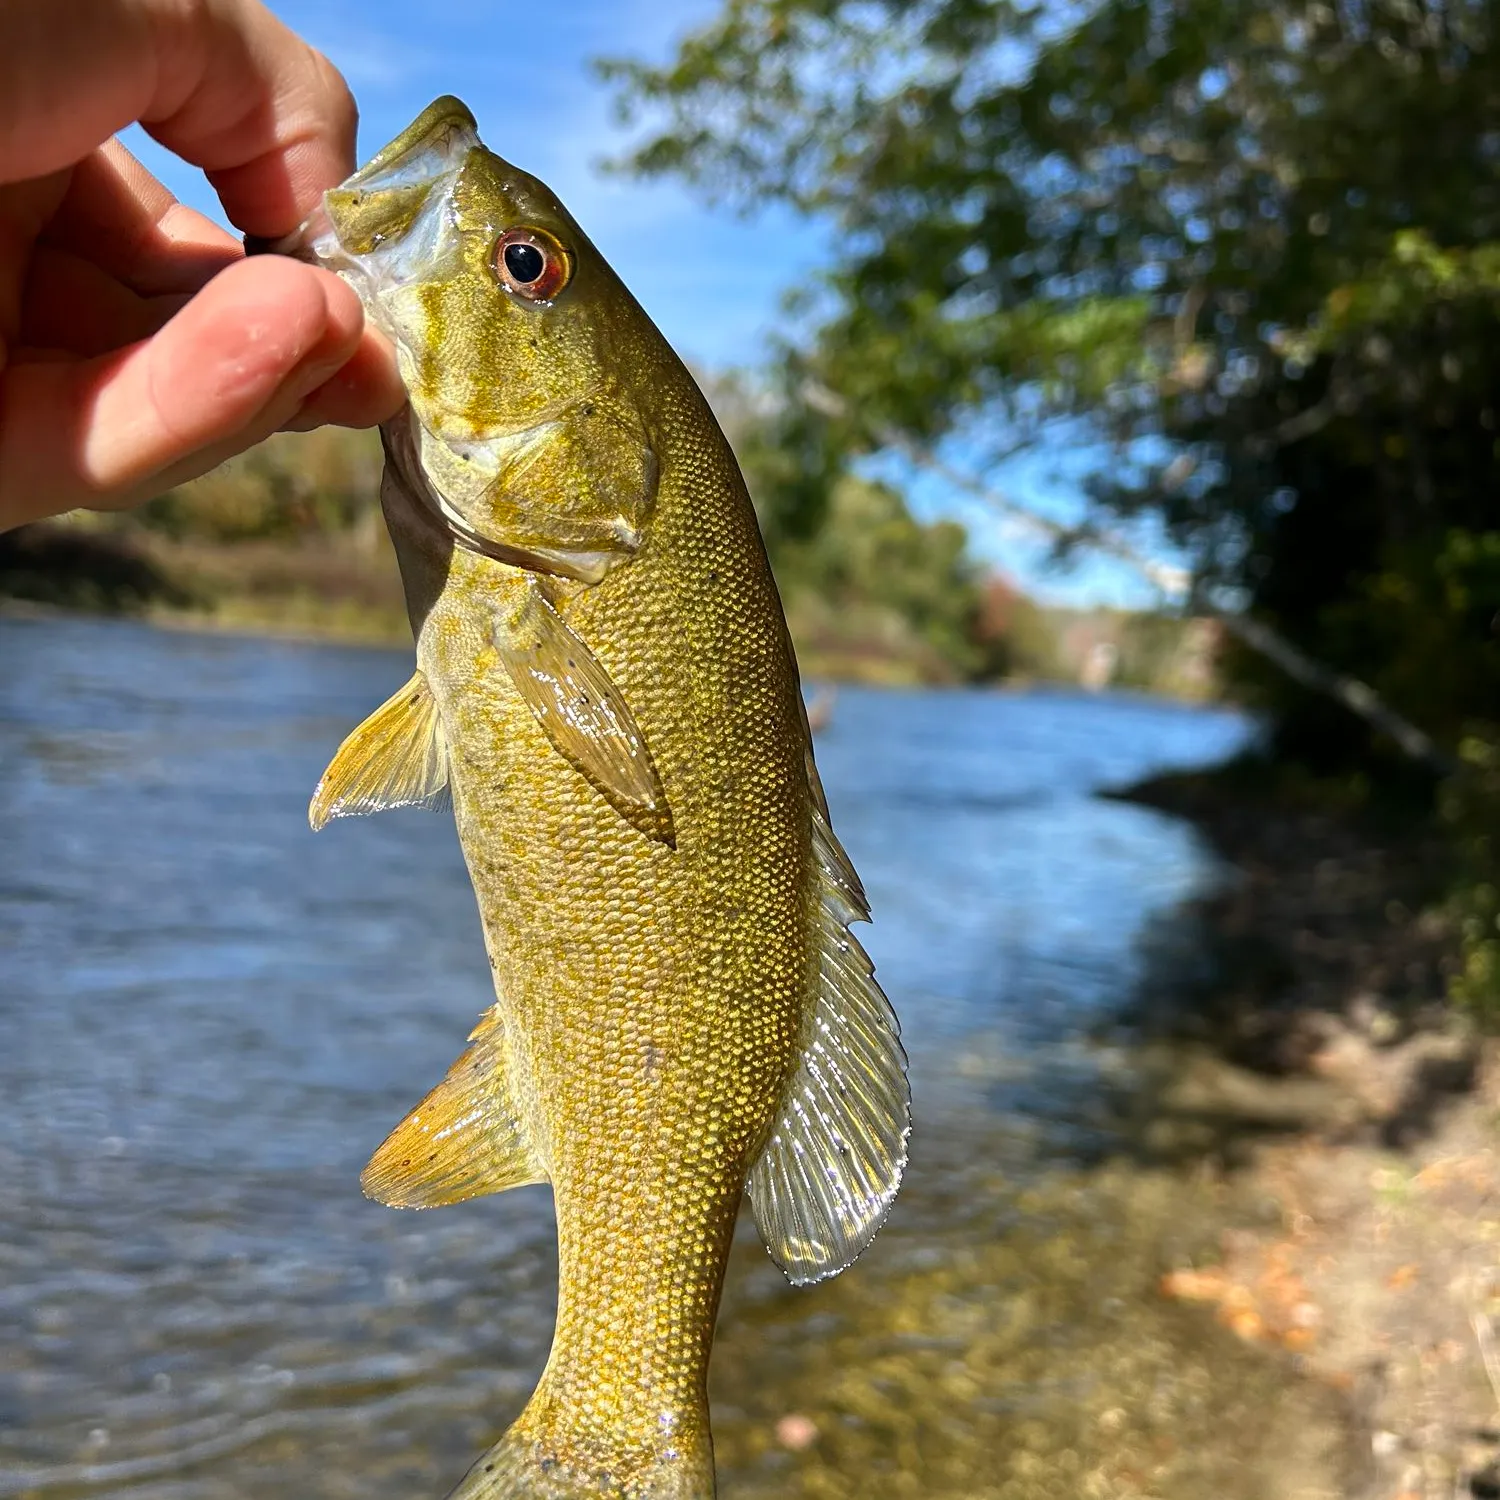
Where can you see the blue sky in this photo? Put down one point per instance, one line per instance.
(709, 278)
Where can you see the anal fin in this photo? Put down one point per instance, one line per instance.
(465, 1139)
(396, 758)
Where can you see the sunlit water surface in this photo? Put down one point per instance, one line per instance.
(209, 1017)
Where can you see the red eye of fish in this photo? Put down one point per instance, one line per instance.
(530, 263)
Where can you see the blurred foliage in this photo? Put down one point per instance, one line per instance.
(1251, 250)
(292, 485)
(290, 537)
(873, 576)
(1101, 647)
(1367, 513)
(1471, 810)
(73, 568)
(286, 538)
(869, 590)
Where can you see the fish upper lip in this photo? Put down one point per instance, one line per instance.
(445, 116)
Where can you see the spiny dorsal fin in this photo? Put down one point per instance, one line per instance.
(827, 1177)
(396, 758)
(584, 714)
(814, 781)
(842, 892)
(465, 1139)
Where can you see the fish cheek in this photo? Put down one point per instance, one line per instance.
(457, 383)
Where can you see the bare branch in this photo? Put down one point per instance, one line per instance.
(1176, 583)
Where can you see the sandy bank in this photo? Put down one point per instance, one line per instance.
(1317, 1062)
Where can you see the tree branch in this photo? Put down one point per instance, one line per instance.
(1358, 697)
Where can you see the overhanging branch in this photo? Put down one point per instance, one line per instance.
(1357, 696)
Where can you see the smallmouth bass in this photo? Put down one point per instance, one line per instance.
(606, 692)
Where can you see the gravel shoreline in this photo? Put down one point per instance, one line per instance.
(1314, 1059)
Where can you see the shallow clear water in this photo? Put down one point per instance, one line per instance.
(209, 1017)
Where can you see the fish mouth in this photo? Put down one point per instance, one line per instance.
(392, 194)
(391, 225)
(389, 200)
(426, 149)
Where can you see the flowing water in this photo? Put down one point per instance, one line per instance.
(209, 1017)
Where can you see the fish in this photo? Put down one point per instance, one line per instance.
(606, 695)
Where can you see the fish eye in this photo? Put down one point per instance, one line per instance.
(530, 263)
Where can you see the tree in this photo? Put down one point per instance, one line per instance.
(869, 590)
(1251, 249)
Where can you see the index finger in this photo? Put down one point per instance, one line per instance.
(222, 83)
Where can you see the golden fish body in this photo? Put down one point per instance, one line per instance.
(606, 690)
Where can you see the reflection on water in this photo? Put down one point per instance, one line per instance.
(209, 1017)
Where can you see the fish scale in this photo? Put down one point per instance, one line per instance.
(606, 695)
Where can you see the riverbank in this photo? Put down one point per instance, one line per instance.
(319, 588)
(312, 589)
(288, 542)
(1315, 1060)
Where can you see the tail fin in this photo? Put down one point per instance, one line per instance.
(536, 1460)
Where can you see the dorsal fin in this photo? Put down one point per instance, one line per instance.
(465, 1139)
(395, 758)
(830, 1170)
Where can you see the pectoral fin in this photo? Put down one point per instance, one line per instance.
(465, 1139)
(583, 714)
(396, 758)
(826, 1178)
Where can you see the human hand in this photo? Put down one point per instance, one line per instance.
(138, 347)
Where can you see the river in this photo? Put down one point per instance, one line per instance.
(210, 1016)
